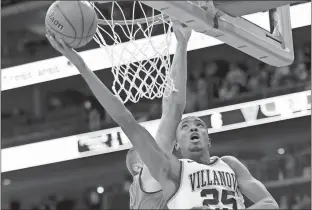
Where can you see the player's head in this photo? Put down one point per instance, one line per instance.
(134, 162)
(192, 138)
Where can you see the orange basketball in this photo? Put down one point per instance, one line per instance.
(73, 21)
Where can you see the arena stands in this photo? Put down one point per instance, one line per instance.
(276, 153)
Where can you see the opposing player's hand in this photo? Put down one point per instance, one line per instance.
(67, 51)
(181, 32)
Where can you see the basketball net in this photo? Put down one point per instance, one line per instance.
(140, 61)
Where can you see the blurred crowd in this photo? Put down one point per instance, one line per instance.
(210, 84)
(295, 201)
(208, 81)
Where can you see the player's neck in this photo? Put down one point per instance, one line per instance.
(204, 158)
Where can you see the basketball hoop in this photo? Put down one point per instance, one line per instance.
(137, 43)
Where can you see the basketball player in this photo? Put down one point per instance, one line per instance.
(145, 192)
(195, 180)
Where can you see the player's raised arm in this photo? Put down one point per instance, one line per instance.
(173, 105)
(251, 187)
(159, 163)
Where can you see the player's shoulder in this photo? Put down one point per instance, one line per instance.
(233, 162)
(229, 159)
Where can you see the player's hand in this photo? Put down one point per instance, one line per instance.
(181, 32)
(67, 51)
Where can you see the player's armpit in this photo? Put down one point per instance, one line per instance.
(251, 187)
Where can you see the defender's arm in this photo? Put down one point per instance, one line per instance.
(251, 187)
(172, 106)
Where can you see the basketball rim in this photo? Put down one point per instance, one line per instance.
(155, 19)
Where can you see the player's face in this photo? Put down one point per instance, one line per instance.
(192, 137)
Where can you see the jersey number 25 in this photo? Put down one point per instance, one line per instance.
(215, 198)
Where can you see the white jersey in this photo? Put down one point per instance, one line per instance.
(214, 185)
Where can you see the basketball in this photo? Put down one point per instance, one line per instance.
(73, 21)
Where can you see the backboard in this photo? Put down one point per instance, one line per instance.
(224, 20)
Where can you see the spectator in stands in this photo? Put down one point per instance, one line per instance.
(296, 204)
(94, 120)
(234, 82)
(195, 72)
(195, 82)
(202, 94)
(290, 163)
(258, 78)
(281, 168)
(299, 56)
(305, 159)
(213, 80)
(93, 116)
(190, 105)
(283, 204)
(300, 73)
(295, 201)
(54, 102)
(282, 77)
(228, 91)
(93, 200)
(237, 74)
(306, 202)
(307, 55)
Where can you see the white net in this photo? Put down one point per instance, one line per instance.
(137, 40)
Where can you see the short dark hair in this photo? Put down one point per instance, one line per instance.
(191, 117)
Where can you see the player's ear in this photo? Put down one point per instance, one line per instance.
(136, 168)
(177, 146)
(209, 142)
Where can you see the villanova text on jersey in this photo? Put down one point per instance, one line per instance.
(208, 177)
